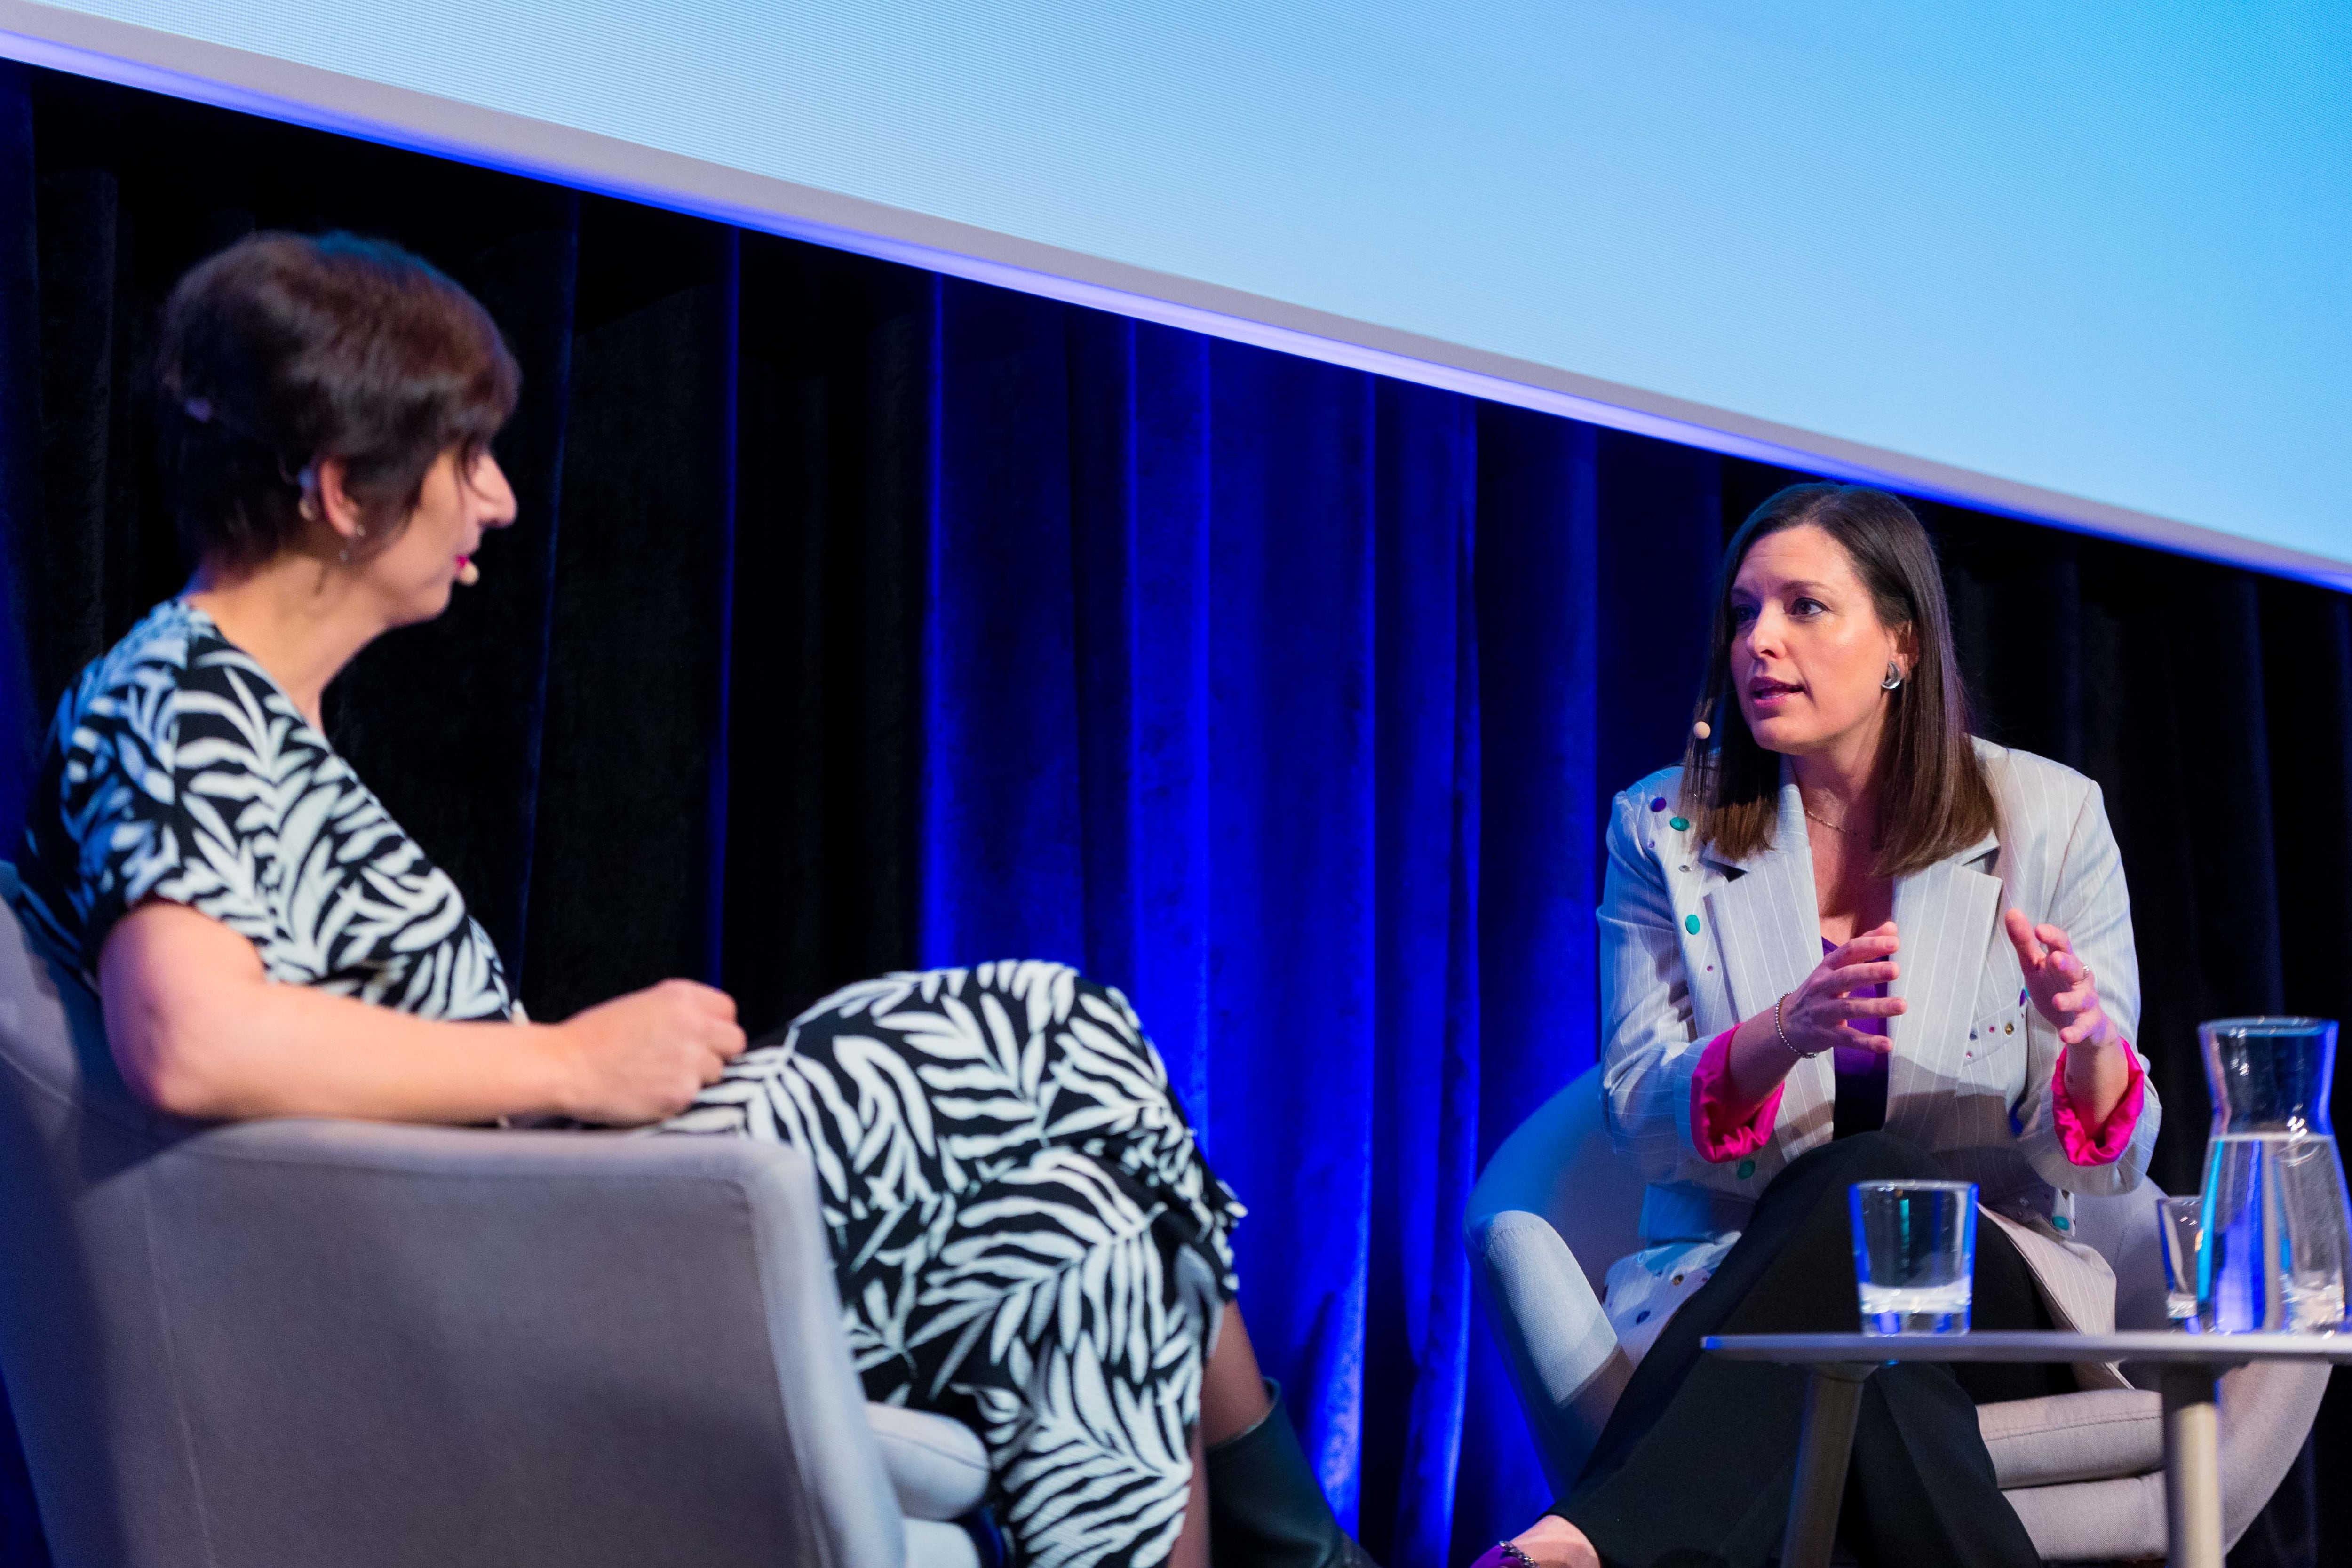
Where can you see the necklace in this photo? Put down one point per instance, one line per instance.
(1824, 821)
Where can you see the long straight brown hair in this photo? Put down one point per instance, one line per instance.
(1933, 800)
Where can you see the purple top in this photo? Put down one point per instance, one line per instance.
(1861, 1072)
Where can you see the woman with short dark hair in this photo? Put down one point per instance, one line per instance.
(1846, 940)
(283, 345)
(1024, 1233)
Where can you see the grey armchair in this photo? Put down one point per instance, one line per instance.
(1557, 1204)
(301, 1343)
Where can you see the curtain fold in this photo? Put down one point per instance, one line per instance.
(833, 487)
(1426, 1035)
(1541, 680)
(860, 617)
(1155, 563)
(25, 639)
(624, 829)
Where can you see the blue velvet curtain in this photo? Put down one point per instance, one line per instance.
(1204, 714)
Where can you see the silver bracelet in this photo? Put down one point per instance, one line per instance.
(1786, 1043)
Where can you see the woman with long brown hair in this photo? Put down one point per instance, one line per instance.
(1846, 940)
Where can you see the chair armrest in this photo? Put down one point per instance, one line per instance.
(473, 1347)
(937, 1467)
(1562, 1353)
(2095, 1434)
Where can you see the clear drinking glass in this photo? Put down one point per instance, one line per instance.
(1915, 1246)
(2180, 1227)
(2276, 1238)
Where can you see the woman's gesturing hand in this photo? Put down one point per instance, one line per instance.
(644, 1056)
(1820, 1014)
(2062, 987)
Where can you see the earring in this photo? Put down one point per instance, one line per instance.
(359, 532)
(1893, 681)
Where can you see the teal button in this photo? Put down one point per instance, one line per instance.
(1690, 925)
(1679, 824)
(1747, 1169)
(2062, 1221)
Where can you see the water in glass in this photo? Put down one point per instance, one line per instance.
(2180, 1223)
(2276, 1235)
(1914, 1250)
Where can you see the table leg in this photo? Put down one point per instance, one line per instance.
(1824, 1443)
(2192, 1467)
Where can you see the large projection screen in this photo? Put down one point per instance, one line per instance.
(2082, 262)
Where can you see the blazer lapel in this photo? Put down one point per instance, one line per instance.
(1947, 915)
(1767, 919)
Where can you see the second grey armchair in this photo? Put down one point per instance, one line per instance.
(1558, 1205)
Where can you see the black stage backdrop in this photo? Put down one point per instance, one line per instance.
(740, 471)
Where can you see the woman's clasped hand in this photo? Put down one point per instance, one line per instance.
(1820, 1014)
(643, 1056)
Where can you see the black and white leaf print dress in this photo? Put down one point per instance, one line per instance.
(177, 769)
(1024, 1230)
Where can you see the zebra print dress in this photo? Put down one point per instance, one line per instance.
(1025, 1232)
(177, 769)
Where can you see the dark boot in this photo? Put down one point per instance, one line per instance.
(1265, 1510)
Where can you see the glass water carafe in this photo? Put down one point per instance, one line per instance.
(2277, 1242)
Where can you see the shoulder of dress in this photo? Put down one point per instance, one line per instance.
(135, 684)
(159, 641)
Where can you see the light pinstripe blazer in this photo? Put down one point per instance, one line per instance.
(1691, 943)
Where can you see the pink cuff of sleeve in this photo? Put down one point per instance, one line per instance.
(2082, 1149)
(1720, 1136)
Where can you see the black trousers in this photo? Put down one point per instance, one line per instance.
(1695, 1467)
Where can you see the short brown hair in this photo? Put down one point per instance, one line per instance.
(1934, 799)
(283, 350)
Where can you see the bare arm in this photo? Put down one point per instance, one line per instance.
(200, 1031)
